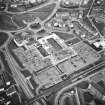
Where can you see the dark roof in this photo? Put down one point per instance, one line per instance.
(26, 73)
(83, 85)
(88, 97)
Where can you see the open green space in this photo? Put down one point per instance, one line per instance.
(3, 38)
(6, 23)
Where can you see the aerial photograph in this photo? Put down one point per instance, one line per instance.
(52, 52)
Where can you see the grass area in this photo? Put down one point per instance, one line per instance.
(65, 36)
(6, 22)
(3, 38)
(42, 13)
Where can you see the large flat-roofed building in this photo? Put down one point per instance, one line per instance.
(66, 67)
(50, 58)
(88, 54)
(48, 77)
(32, 60)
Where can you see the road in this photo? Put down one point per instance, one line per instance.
(19, 78)
(91, 7)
